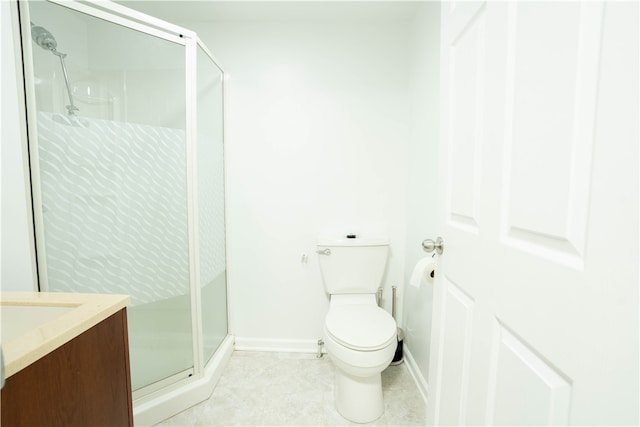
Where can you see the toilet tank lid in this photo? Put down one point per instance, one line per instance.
(358, 241)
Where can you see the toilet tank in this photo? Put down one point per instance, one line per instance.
(352, 266)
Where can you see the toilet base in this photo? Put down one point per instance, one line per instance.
(359, 399)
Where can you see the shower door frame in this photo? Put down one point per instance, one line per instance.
(192, 53)
(153, 27)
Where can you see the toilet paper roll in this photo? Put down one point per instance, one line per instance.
(423, 271)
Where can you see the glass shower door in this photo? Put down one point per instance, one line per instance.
(211, 212)
(111, 184)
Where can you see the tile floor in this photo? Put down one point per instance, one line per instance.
(288, 389)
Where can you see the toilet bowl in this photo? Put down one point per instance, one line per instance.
(360, 337)
(361, 341)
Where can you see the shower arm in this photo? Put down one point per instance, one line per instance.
(71, 108)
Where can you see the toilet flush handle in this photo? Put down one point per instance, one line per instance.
(326, 251)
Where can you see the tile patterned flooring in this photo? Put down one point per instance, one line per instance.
(289, 389)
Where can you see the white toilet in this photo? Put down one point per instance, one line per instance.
(360, 337)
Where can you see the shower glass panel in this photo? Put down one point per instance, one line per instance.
(113, 178)
(211, 202)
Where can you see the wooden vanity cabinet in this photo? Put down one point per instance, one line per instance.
(85, 382)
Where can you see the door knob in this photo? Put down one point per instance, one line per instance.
(429, 245)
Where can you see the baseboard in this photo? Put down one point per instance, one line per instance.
(415, 372)
(166, 403)
(277, 345)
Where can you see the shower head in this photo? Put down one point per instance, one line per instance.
(43, 38)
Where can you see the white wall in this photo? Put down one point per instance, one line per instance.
(18, 272)
(423, 172)
(318, 133)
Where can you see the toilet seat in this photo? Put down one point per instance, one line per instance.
(361, 327)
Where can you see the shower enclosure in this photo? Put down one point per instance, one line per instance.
(125, 116)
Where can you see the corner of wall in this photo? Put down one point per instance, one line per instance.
(422, 177)
(18, 246)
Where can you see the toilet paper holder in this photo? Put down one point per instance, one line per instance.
(429, 245)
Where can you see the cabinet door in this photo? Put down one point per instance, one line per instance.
(86, 382)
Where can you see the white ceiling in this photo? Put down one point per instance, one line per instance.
(212, 10)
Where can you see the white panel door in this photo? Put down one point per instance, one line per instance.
(536, 301)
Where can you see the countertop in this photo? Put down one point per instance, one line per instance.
(64, 317)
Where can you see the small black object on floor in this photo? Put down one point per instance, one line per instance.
(398, 358)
